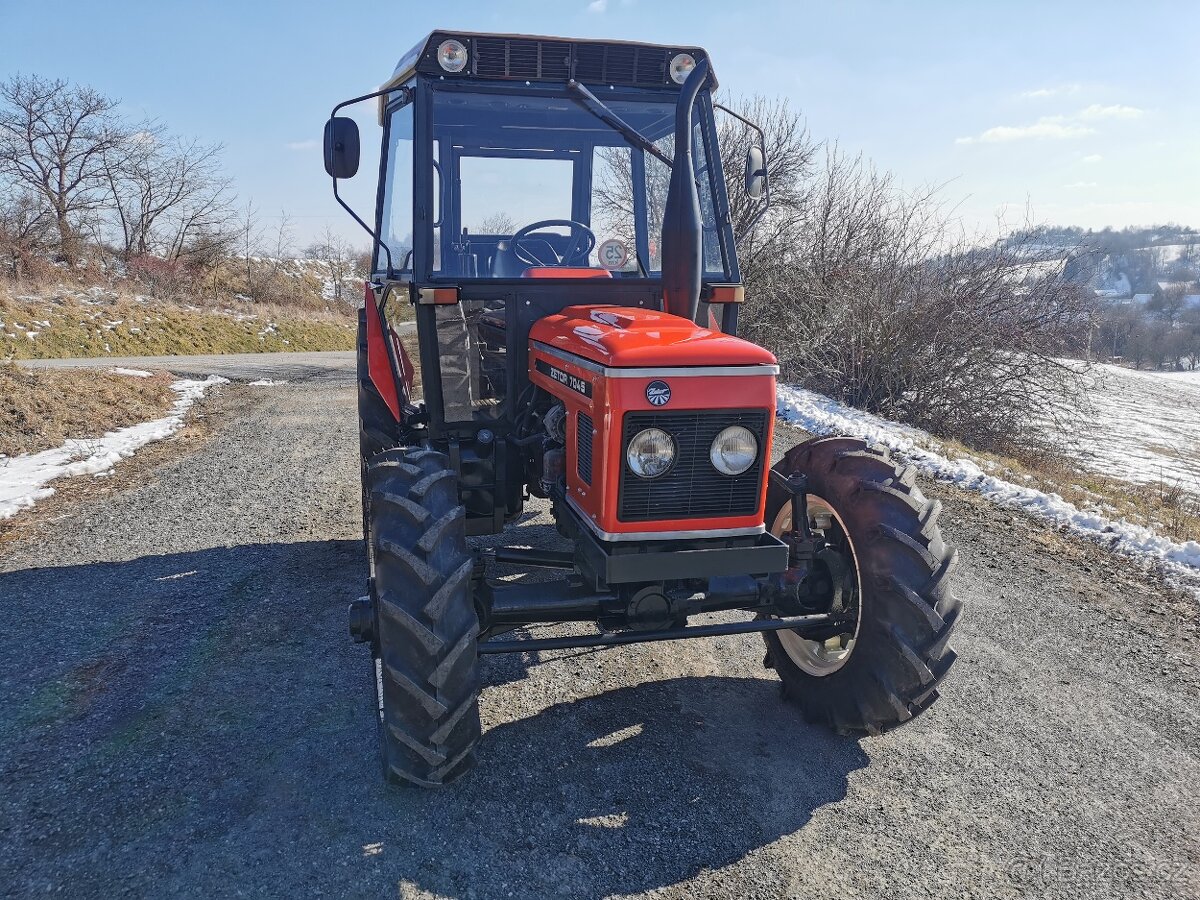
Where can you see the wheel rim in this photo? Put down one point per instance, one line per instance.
(821, 658)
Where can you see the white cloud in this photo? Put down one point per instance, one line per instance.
(1061, 90)
(597, 6)
(1055, 127)
(1047, 127)
(302, 145)
(1081, 184)
(1116, 111)
(1092, 158)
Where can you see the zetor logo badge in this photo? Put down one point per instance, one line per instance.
(658, 393)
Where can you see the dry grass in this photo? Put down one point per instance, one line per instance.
(41, 522)
(1167, 508)
(40, 409)
(56, 322)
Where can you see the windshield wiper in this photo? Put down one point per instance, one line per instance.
(596, 107)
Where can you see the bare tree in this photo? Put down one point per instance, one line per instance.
(880, 302)
(265, 255)
(498, 223)
(25, 227)
(790, 154)
(342, 262)
(53, 138)
(165, 192)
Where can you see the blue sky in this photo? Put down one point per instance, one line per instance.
(1087, 111)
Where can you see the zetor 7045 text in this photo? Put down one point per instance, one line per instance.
(553, 214)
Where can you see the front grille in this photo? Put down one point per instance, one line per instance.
(583, 443)
(529, 59)
(693, 489)
(522, 58)
(621, 64)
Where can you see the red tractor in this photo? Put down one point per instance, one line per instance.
(553, 214)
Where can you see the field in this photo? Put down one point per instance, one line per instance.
(61, 321)
(1128, 480)
(1145, 428)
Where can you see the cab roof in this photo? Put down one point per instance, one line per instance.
(527, 57)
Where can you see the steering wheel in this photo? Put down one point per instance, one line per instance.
(581, 244)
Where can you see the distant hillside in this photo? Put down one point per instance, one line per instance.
(1120, 264)
(62, 321)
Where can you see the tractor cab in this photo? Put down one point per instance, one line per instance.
(554, 255)
(520, 176)
(539, 158)
(527, 180)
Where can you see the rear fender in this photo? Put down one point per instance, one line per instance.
(382, 366)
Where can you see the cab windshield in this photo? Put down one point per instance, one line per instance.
(527, 184)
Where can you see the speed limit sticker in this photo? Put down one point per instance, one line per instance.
(612, 254)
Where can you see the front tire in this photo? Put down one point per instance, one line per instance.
(890, 668)
(426, 627)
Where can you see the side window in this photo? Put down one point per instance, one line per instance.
(397, 311)
(396, 216)
(472, 357)
(713, 259)
(658, 180)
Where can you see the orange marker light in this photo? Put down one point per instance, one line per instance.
(726, 293)
(440, 296)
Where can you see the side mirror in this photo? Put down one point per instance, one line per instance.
(341, 147)
(756, 173)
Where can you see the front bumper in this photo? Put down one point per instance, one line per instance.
(706, 556)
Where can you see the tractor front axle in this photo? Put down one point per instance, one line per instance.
(806, 626)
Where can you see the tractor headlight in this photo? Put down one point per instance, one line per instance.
(681, 67)
(651, 453)
(452, 56)
(734, 450)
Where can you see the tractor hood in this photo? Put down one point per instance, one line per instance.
(628, 337)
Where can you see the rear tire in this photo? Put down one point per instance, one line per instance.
(906, 612)
(426, 627)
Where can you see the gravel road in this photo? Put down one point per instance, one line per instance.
(182, 712)
(309, 365)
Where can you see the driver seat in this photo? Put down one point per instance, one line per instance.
(506, 264)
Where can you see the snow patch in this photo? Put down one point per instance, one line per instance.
(132, 373)
(1145, 426)
(24, 479)
(813, 412)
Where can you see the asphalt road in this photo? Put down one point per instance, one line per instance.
(182, 712)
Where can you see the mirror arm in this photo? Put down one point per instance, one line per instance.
(391, 271)
(762, 143)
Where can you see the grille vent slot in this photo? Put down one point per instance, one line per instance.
(583, 443)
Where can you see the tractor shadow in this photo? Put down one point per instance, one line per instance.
(213, 699)
(633, 789)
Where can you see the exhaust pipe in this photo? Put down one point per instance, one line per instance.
(682, 250)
